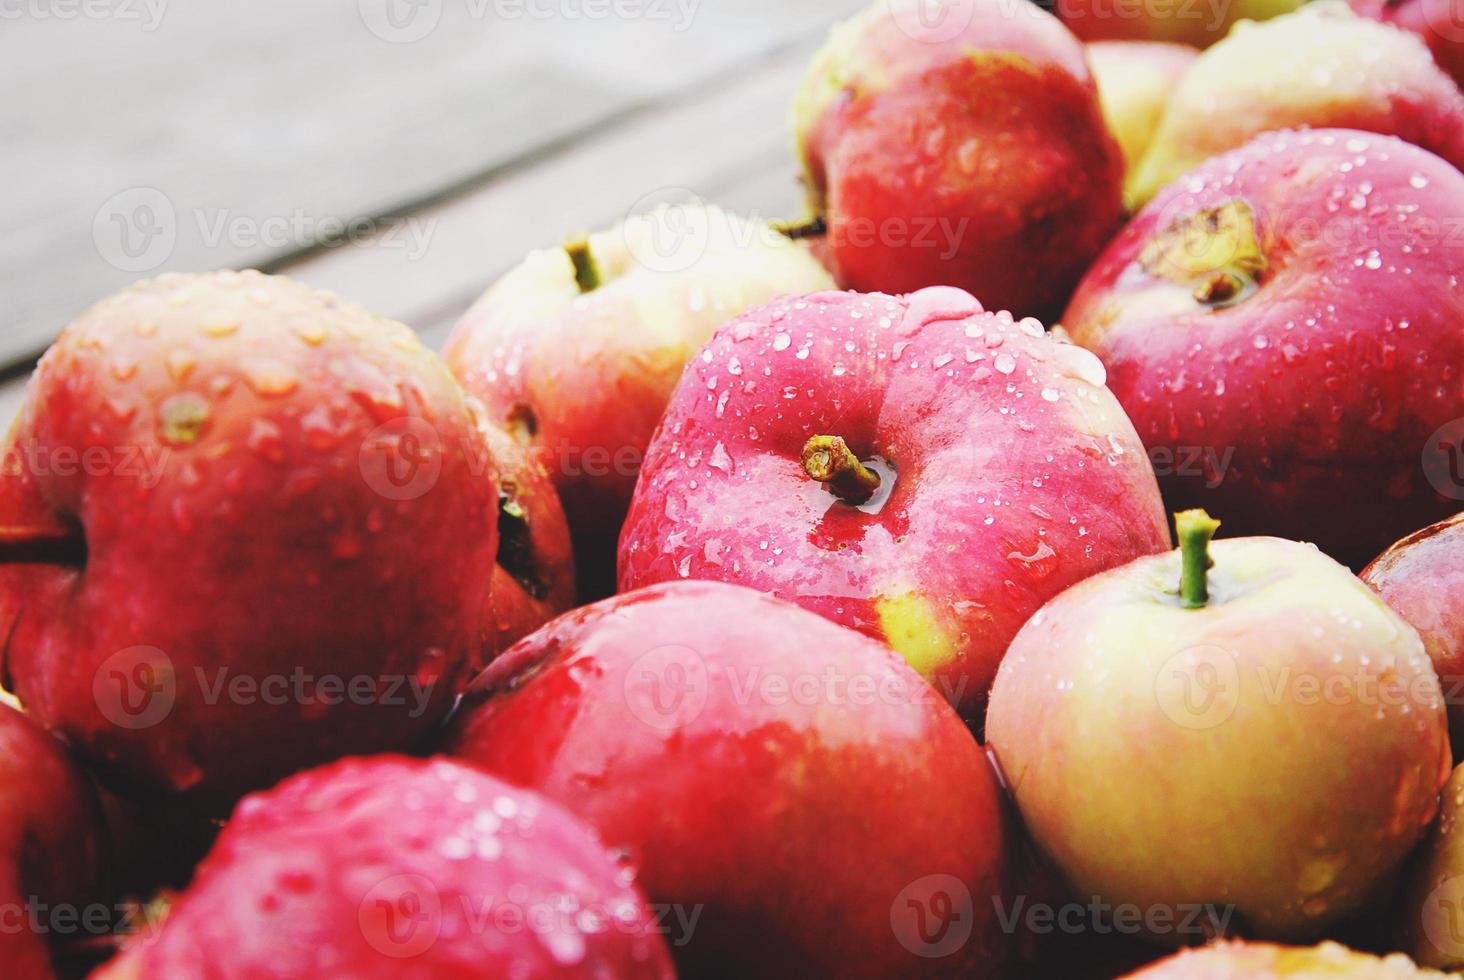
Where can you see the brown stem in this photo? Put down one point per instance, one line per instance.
(803, 228)
(830, 461)
(41, 545)
(586, 272)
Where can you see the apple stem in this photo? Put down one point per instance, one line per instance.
(41, 545)
(830, 461)
(586, 272)
(803, 228)
(1194, 528)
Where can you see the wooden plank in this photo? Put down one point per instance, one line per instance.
(261, 127)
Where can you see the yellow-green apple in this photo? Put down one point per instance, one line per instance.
(575, 351)
(1265, 736)
(1430, 918)
(961, 145)
(247, 526)
(1135, 79)
(389, 867)
(1264, 961)
(1322, 66)
(1198, 23)
(1439, 22)
(1285, 328)
(51, 847)
(1000, 467)
(794, 783)
(1422, 578)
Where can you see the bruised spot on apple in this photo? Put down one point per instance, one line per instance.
(966, 149)
(1000, 467)
(1269, 717)
(283, 512)
(1264, 961)
(576, 350)
(1291, 312)
(1321, 66)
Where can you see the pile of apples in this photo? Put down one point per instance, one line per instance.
(691, 616)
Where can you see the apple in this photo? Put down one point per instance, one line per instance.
(959, 146)
(1429, 911)
(1199, 23)
(1000, 467)
(1264, 961)
(791, 782)
(1135, 79)
(247, 526)
(1265, 738)
(533, 580)
(1283, 328)
(51, 845)
(1422, 578)
(1439, 22)
(1321, 66)
(575, 351)
(393, 867)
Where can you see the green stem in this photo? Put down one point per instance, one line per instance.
(586, 272)
(830, 461)
(1194, 528)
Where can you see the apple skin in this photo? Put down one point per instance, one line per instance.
(965, 150)
(653, 716)
(1428, 910)
(263, 544)
(581, 379)
(1135, 79)
(1422, 579)
(1431, 20)
(1178, 22)
(1321, 67)
(1264, 961)
(533, 580)
(1278, 751)
(1311, 382)
(51, 840)
(1009, 487)
(390, 867)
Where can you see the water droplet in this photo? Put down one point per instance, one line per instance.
(1005, 363)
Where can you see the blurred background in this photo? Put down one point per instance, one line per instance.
(401, 152)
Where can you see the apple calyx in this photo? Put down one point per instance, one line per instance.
(586, 272)
(48, 544)
(1194, 528)
(813, 227)
(516, 544)
(830, 461)
(1215, 253)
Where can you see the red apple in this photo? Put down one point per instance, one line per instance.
(1319, 67)
(1263, 741)
(1439, 22)
(392, 867)
(1003, 471)
(1264, 961)
(51, 844)
(270, 521)
(575, 351)
(792, 783)
(959, 146)
(1194, 22)
(1422, 578)
(1284, 329)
